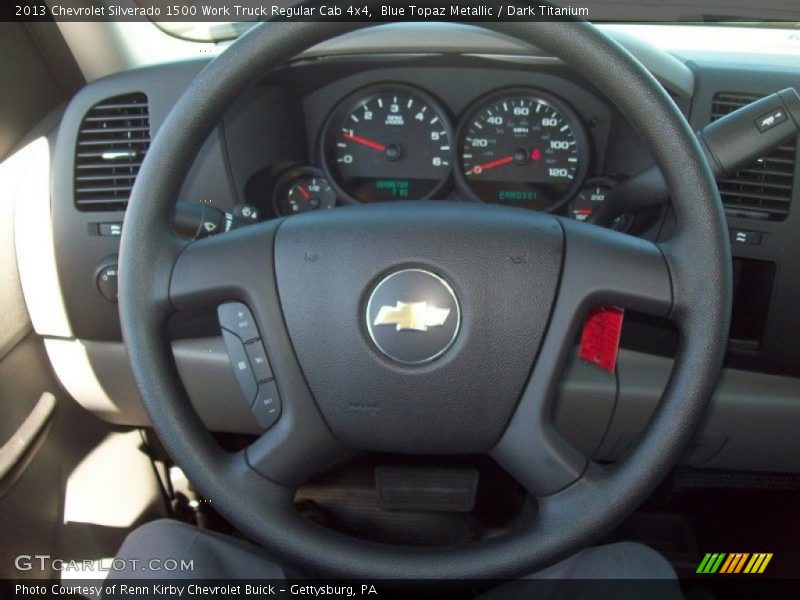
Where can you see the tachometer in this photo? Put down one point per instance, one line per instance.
(390, 142)
(523, 148)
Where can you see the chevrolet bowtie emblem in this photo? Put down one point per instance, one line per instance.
(439, 309)
(414, 316)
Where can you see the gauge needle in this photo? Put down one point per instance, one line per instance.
(303, 192)
(349, 135)
(478, 169)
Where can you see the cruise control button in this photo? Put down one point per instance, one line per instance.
(236, 318)
(267, 407)
(241, 365)
(259, 361)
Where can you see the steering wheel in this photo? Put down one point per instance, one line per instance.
(515, 286)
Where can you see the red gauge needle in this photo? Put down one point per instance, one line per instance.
(303, 192)
(478, 169)
(348, 135)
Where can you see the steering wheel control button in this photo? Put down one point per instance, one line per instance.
(259, 361)
(413, 316)
(267, 407)
(236, 318)
(771, 119)
(241, 365)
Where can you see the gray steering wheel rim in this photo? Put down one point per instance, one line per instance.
(698, 258)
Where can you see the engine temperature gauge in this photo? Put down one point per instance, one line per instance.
(589, 198)
(304, 191)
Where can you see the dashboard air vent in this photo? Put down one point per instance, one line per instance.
(113, 139)
(764, 190)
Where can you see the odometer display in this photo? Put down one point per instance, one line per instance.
(391, 143)
(522, 148)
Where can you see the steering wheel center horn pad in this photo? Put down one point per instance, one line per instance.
(387, 386)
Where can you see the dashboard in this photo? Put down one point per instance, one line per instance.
(391, 116)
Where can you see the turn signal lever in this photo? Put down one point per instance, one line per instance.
(730, 143)
(196, 221)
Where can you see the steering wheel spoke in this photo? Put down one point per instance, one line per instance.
(222, 268)
(600, 267)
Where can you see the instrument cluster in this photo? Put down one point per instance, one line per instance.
(518, 146)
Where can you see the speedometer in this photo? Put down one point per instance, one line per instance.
(390, 142)
(523, 148)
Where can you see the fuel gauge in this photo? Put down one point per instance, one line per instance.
(303, 191)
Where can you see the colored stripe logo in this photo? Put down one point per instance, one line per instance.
(733, 563)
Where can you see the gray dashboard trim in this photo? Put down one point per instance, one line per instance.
(456, 38)
(98, 376)
(730, 436)
(600, 414)
(34, 241)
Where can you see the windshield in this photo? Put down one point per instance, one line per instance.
(717, 13)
